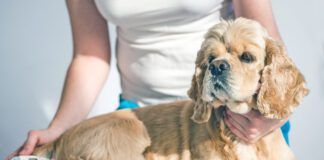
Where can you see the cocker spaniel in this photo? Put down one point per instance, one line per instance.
(238, 66)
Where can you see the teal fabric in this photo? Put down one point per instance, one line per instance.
(285, 129)
(127, 104)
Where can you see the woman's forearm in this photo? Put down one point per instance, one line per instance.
(84, 80)
(89, 68)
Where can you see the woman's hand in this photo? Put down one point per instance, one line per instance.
(251, 126)
(34, 139)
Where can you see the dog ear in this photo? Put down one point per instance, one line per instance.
(282, 84)
(193, 91)
(202, 110)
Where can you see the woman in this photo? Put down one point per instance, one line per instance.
(157, 45)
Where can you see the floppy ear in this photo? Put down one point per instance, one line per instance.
(202, 110)
(282, 85)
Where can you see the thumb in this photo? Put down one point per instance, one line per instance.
(30, 143)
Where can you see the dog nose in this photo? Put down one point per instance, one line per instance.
(219, 67)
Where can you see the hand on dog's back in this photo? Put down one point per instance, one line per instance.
(36, 138)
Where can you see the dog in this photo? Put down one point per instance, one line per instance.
(238, 66)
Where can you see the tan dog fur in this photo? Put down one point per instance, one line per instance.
(194, 129)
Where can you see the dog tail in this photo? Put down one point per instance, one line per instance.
(46, 150)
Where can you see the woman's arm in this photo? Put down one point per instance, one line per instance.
(89, 67)
(86, 74)
(252, 126)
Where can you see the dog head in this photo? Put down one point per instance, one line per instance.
(239, 63)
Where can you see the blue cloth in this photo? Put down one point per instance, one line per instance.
(127, 104)
(285, 131)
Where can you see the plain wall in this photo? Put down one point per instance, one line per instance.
(36, 48)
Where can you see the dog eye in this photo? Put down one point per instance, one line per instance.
(211, 58)
(246, 57)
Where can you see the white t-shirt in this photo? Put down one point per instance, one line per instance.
(157, 43)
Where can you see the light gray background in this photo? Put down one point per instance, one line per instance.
(36, 48)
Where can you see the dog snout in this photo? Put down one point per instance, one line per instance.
(219, 67)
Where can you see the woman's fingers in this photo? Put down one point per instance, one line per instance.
(30, 143)
(249, 125)
(234, 122)
(13, 154)
(28, 147)
(36, 138)
(234, 129)
(243, 121)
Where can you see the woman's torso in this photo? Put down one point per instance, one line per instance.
(157, 44)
